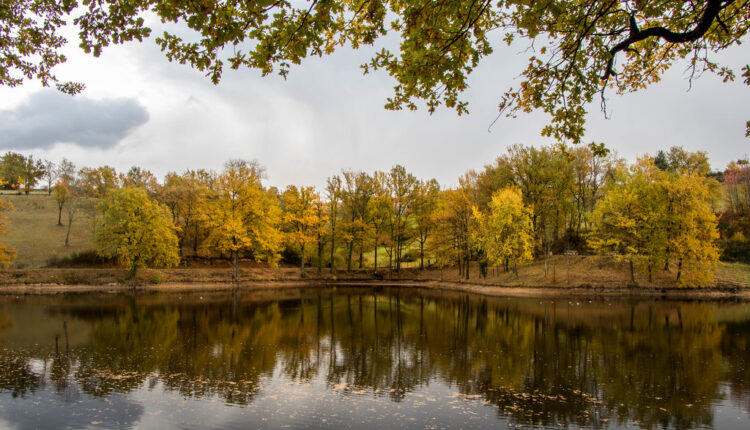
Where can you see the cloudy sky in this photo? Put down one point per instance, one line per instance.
(140, 109)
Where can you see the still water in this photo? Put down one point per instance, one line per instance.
(356, 358)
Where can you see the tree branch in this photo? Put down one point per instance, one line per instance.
(710, 14)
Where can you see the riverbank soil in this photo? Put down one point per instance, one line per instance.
(586, 273)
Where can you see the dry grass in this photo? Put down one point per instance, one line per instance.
(34, 233)
(733, 274)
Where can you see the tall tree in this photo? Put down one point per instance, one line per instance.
(423, 210)
(136, 230)
(333, 192)
(62, 194)
(504, 232)
(243, 216)
(401, 186)
(49, 174)
(32, 171)
(300, 219)
(186, 198)
(379, 213)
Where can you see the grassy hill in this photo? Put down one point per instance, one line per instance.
(34, 233)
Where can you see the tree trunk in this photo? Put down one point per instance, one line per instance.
(302, 262)
(67, 235)
(376, 256)
(632, 273)
(235, 265)
(421, 255)
(133, 268)
(320, 255)
(333, 248)
(679, 269)
(349, 257)
(59, 215)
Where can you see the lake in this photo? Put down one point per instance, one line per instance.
(370, 358)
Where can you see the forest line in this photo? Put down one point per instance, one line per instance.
(663, 212)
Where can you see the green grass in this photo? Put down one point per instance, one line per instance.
(738, 272)
(34, 233)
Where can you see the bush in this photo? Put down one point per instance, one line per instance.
(735, 250)
(291, 255)
(79, 259)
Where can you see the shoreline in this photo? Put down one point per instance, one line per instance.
(580, 292)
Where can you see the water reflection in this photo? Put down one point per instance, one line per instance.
(599, 364)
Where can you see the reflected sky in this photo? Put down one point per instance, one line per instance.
(358, 358)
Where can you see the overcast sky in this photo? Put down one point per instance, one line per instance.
(140, 109)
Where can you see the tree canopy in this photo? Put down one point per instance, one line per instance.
(578, 48)
(136, 230)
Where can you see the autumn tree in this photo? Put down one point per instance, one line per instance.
(629, 220)
(61, 195)
(679, 160)
(7, 254)
(186, 198)
(379, 214)
(94, 182)
(300, 219)
(453, 241)
(243, 217)
(401, 186)
(356, 192)
(423, 211)
(504, 232)
(691, 226)
(136, 231)
(650, 216)
(31, 171)
(581, 49)
(49, 174)
(333, 193)
(141, 178)
(12, 165)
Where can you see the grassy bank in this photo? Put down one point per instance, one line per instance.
(562, 273)
(35, 235)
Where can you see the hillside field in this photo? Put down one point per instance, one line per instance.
(34, 233)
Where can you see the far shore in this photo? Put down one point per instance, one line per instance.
(577, 276)
(578, 292)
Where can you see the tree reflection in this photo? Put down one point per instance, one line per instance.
(655, 364)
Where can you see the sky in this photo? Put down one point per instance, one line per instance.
(140, 109)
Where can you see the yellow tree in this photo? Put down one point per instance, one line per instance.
(423, 210)
(243, 217)
(691, 226)
(629, 220)
(62, 194)
(505, 231)
(185, 197)
(301, 220)
(136, 231)
(7, 254)
(453, 240)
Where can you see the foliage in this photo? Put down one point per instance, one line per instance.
(243, 217)
(504, 232)
(300, 220)
(61, 193)
(579, 49)
(136, 231)
(651, 216)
